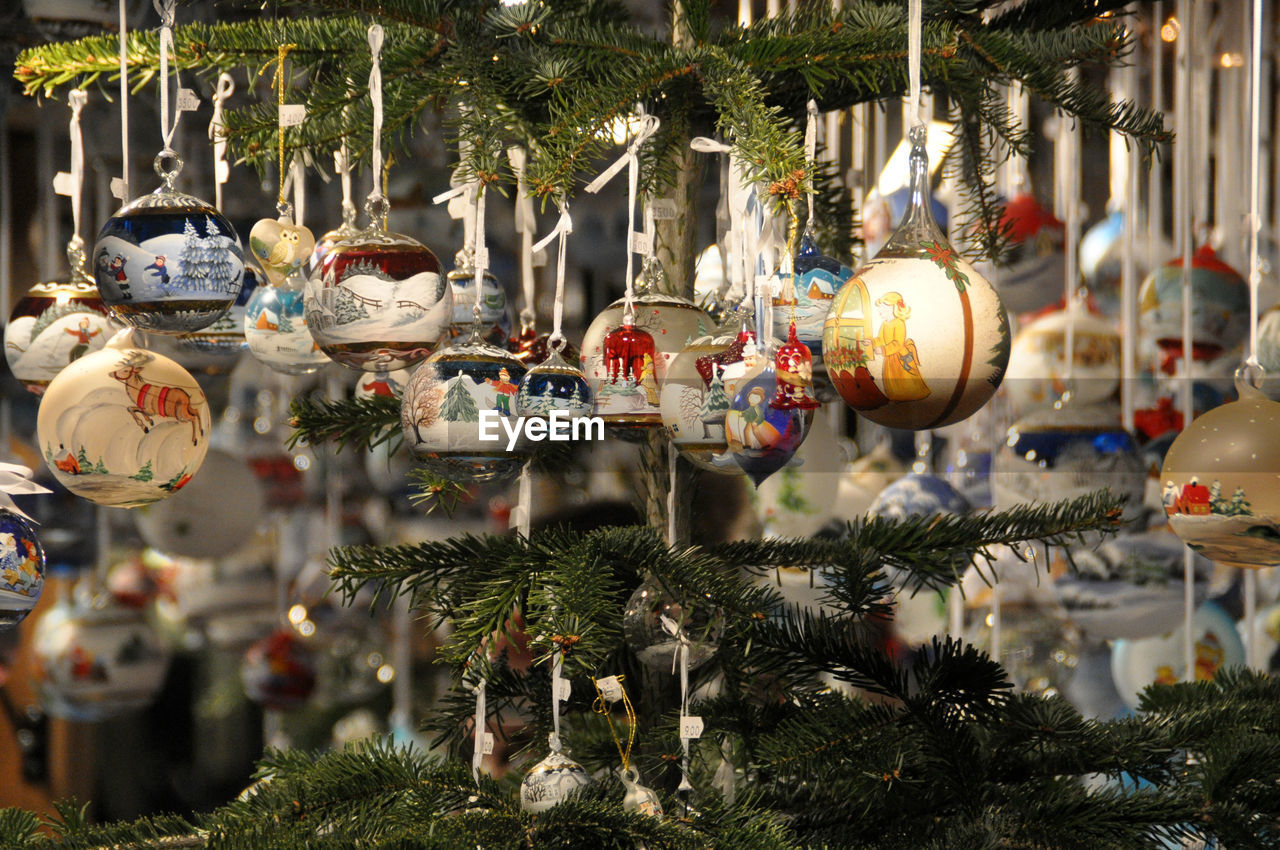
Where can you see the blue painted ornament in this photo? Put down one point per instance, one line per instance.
(21, 568)
(554, 385)
(761, 437)
(918, 495)
(168, 262)
(275, 328)
(811, 290)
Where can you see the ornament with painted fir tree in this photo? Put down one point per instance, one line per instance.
(275, 328)
(694, 401)
(56, 323)
(554, 384)
(458, 407)
(628, 348)
(550, 782)
(1221, 480)
(168, 262)
(917, 338)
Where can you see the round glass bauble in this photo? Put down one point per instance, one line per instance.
(693, 409)
(454, 408)
(378, 300)
(917, 338)
(807, 295)
(627, 393)
(763, 438)
(123, 427)
(213, 517)
(655, 618)
(1219, 305)
(554, 385)
(275, 328)
(21, 568)
(1037, 375)
(217, 348)
(1135, 664)
(1221, 482)
(495, 318)
(279, 671)
(168, 262)
(54, 324)
(550, 782)
(96, 660)
(918, 495)
(1031, 277)
(1101, 261)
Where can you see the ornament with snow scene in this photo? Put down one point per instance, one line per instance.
(275, 328)
(554, 385)
(809, 294)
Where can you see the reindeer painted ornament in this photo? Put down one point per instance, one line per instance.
(124, 426)
(917, 338)
(168, 262)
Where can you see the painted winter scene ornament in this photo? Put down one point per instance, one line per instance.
(168, 262)
(441, 415)
(124, 427)
(1221, 481)
(1219, 306)
(275, 328)
(54, 324)
(554, 385)
(378, 300)
(551, 781)
(810, 292)
(21, 568)
(627, 384)
(97, 659)
(1161, 661)
(917, 338)
(214, 350)
(693, 407)
(494, 315)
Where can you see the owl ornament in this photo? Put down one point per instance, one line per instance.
(281, 246)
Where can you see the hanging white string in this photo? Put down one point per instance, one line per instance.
(123, 185)
(342, 165)
(375, 97)
(811, 151)
(915, 27)
(167, 10)
(673, 455)
(482, 717)
(1182, 184)
(1252, 638)
(298, 175)
(15, 481)
(1129, 270)
(648, 125)
(681, 659)
(481, 254)
(557, 692)
(526, 225)
(77, 98)
(218, 135)
(564, 226)
(1069, 171)
(737, 192)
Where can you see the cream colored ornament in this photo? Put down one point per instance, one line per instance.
(124, 426)
(212, 518)
(1037, 374)
(916, 338)
(1221, 481)
(550, 781)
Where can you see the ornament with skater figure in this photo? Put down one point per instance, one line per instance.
(168, 262)
(21, 568)
(554, 385)
(124, 426)
(441, 412)
(378, 299)
(1220, 484)
(275, 328)
(550, 782)
(922, 318)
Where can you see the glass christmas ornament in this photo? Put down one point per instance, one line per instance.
(550, 781)
(279, 671)
(123, 427)
(343, 231)
(625, 387)
(21, 568)
(214, 350)
(281, 247)
(97, 659)
(383, 383)
(1038, 361)
(213, 517)
(655, 624)
(639, 798)
(805, 297)
(918, 495)
(275, 329)
(54, 324)
(693, 408)
(1101, 260)
(793, 368)
(1031, 278)
(1219, 306)
(446, 404)
(531, 348)
(761, 437)
(378, 299)
(1038, 647)
(1065, 453)
(1161, 660)
(168, 262)
(1219, 481)
(495, 319)
(554, 385)
(922, 317)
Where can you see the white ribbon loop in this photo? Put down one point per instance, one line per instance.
(375, 96)
(915, 27)
(811, 150)
(477, 756)
(563, 225)
(218, 135)
(167, 9)
(123, 185)
(702, 144)
(73, 184)
(14, 481)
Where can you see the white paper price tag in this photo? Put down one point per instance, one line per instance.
(564, 688)
(610, 688)
(642, 243)
(487, 746)
(62, 183)
(188, 101)
(117, 188)
(691, 727)
(482, 257)
(770, 285)
(664, 209)
(292, 114)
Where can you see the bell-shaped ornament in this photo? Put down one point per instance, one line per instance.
(793, 366)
